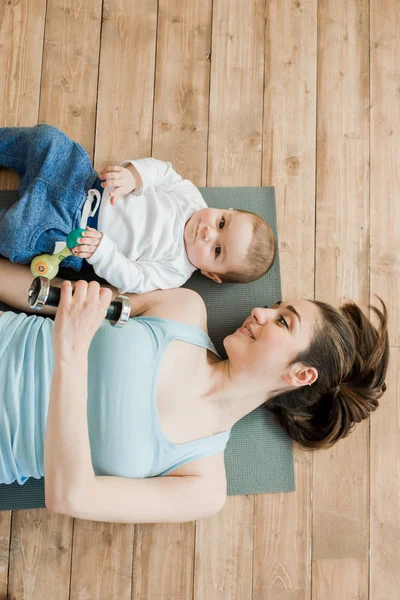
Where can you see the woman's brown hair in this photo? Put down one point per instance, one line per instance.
(351, 356)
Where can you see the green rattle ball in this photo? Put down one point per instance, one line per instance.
(73, 236)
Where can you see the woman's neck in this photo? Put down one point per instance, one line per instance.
(230, 394)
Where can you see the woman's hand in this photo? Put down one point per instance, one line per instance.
(121, 178)
(78, 317)
(88, 243)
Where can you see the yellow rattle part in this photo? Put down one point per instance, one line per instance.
(47, 265)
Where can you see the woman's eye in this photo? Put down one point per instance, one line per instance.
(217, 250)
(222, 223)
(282, 320)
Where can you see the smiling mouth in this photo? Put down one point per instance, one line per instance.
(246, 331)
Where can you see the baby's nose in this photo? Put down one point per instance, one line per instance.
(208, 234)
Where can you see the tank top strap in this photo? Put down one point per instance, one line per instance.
(170, 330)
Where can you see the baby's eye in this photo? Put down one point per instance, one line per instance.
(217, 250)
(222, 223)
(282, 321)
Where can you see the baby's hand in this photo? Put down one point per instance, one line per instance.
(121, 178)
(88, 243)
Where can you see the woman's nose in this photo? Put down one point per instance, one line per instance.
(260, 314)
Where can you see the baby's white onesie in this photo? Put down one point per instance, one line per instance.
(143, 247)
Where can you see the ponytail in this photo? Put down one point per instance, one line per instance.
(351, 357)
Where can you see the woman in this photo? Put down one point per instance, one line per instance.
(157, 400)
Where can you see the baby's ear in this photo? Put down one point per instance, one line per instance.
(212, 276)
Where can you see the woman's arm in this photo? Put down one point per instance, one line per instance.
(67, 456)
(195, 491)
(183, 305)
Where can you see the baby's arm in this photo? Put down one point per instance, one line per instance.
(143, 174)
(123, 179)
(137, 277)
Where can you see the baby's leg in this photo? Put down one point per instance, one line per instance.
(56, 173)
(34, 152)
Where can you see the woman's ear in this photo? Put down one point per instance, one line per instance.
(299, 375)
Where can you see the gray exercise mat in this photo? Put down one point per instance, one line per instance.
(259, 455)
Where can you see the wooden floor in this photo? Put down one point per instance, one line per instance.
(300, 94)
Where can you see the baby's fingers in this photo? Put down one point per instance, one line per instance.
(92, 233)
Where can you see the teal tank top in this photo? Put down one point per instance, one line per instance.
(126, 438)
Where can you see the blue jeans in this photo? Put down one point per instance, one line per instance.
(55, 176)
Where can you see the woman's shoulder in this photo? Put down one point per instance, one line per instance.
(181, 305)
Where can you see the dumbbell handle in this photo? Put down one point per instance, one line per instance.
(41, 293)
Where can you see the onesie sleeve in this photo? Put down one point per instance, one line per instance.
(137, 277)
(154, 173)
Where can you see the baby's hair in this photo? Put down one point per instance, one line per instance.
(261, 254)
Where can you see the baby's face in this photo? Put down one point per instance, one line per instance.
(217, 240)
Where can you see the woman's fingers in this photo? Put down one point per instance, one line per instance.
(80, 291)
(66, 294)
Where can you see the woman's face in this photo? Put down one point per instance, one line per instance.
(270, 339)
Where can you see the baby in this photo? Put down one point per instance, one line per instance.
(155, 230)
(146, 228)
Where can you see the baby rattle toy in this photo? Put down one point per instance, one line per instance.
(47, 265)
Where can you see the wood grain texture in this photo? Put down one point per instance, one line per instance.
(5, 534)
(102, 560)
(236, 93)
(126, 84)
(224, 552)
(385, 152)
(385, 489)
(341, 474)
(70, 68)
(163, 561)
(40, 555)
(21, 47)
(385, 281)
(182, 86)
(282, 525)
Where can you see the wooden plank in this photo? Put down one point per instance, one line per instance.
(102, 560)
(164, 554)
(385, 489)
(163, 562)
(126, 82)
(224, 552)
(385, 281)
(385, 174)
(224, 544)
(282, 526)
(341, 474)
(182, 86)
(21, 35)
(5, 533)
(235, 129)
(40, 556)
(70, 68)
